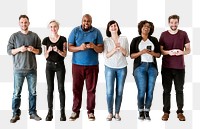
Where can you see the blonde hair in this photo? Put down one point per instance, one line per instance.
(57, 23)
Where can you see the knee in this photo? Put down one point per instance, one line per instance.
(16, 96)
(61, 89)
(179, 91)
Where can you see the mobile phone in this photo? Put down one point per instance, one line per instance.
(25, 45)
(149, 48)
(87, 42)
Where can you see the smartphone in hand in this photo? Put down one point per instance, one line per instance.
(149, 47)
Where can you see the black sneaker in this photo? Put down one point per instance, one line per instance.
(141, 115)
(62, 115)
(147, 117)
(74, 116)
(49, 116)
(14, 119)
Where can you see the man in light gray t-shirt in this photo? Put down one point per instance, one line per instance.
(23, 45)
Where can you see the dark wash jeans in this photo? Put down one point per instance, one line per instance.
(168, 76)
(79, 74)
(59, 69)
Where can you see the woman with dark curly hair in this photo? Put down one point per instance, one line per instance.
(144, 49)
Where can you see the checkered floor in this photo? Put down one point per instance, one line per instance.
(128, 13)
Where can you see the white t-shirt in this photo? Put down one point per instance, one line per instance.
(117, 60)
(143, 45)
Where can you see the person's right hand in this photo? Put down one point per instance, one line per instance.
(145, 51)
(83, 47)
(50, 48)
(23, 49)
(173, 52)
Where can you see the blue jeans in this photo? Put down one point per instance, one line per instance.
(145, 76)
(110, 75)
(19, 77)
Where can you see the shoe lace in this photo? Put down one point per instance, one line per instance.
(91, 115)
(73, 114)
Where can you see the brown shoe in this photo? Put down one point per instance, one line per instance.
(14, 119)
(181, 117)
(165, 116)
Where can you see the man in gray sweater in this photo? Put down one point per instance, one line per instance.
(23, 45)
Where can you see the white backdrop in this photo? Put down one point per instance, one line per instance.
(127, 13)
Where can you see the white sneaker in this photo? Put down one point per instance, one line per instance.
(91, 117)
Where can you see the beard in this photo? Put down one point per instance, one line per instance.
(173, 28)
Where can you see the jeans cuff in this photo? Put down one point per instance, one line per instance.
(140, 110)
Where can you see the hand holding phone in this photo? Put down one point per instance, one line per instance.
(149, 47)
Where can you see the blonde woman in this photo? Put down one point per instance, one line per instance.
(55, 50)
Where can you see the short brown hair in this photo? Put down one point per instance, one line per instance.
(173, 17)
(23, 16)
(141, 24)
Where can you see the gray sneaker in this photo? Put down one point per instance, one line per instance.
(35, 117)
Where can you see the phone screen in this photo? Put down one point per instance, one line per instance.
(149, 47)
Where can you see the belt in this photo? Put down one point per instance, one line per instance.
(50, 62)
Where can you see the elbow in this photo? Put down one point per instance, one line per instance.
(132, 57)
(158, 56)
(189, 51)
(39, 52)
(70, 49)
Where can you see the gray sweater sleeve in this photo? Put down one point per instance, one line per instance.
(38, 45)
(10, 45)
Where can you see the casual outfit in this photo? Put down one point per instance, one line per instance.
(25, 66)
(173, 68)
(55, 64)
(85, 66)
(145, 72)
(115, 68)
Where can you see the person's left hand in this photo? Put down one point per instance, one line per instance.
(55, 48)
(30, 48)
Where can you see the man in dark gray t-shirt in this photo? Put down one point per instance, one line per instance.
(23, 45)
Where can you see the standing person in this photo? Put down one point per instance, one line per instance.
(23, 46)
(174, 45)
(55, 50)
(115, 53)
(144, 49)
(85, 42)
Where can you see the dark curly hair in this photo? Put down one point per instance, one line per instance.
(108, 25)
(141, 24)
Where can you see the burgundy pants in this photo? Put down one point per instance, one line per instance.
(79, 74)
